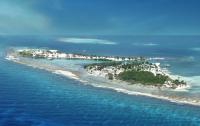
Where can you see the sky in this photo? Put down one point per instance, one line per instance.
(100, 17)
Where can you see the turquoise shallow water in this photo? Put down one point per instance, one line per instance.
(35, 97)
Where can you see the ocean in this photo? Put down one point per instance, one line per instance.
(34, 97)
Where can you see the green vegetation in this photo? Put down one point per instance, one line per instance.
(110, 76)
(125, 65)
(26, 53)
(135, 72)
(101, 59)
(102, 65)
(29, 54)
(143, 77)
(177, 82)
(137, 65)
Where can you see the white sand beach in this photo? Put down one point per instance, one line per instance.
(67, 74)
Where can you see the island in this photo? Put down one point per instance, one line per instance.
(133, 70)
(55, 54)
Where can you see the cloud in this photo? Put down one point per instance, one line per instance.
(195, 49)
(145, 44)
(19, 18)
(86, 41)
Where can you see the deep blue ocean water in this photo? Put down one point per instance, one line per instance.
(32, 97)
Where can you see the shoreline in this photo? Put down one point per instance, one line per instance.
(121, 90)
(72, 75)
(135, 93)
(67, 74)
(58, 71)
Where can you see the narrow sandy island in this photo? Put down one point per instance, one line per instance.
(118, 86)
(44, 66)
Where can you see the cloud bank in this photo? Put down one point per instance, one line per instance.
(86, 41)
(195, 49)
(145, 44)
